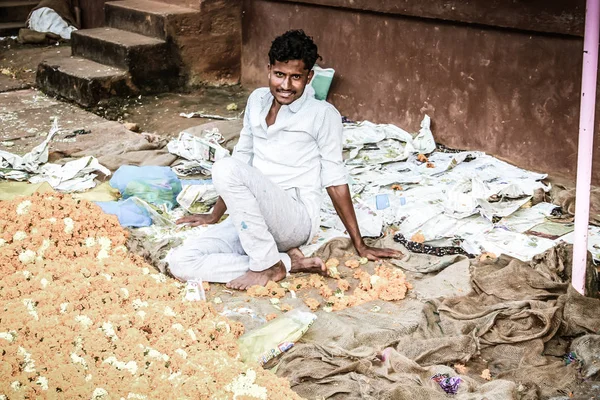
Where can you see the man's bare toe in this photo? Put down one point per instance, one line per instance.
(252, 278)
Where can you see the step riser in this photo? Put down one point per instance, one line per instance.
(136, 21)
(10, 31)
(86, 92)
(143, 62)
(15, 13)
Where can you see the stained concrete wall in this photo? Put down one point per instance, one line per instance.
(497, 76)
(92, 13)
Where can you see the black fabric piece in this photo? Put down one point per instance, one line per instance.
(431, 250)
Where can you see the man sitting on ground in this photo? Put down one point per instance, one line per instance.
(290, 148)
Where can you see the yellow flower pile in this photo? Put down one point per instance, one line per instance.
(81, 317)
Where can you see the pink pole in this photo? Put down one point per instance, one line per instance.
(586, 142)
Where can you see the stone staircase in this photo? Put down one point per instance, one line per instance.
(136, 53)
(13, 14)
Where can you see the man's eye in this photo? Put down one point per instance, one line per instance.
(279, 74)
(296, 77)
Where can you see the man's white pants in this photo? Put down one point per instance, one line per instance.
(264, 222)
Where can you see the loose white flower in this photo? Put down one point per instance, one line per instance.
(104, 243)
(109, 331)
(2, 242)
(138, 303)
(125, 292)
(102, 254)
(30, 305)
(182, 353)
(69, 225)
(169, 312)
(177, 327)
(130, 366)
(78, 360)
(44, 282)
(152, 353)
(27, 257)
(99, 393)
(159, 278)
(88, 377)
(16, 385)
(44, 246)
(19, 235)
(244, 385)
(145, 271)
(27, 274)
(29, 363)
(52, 220)
(90, 242)
(10, 336)
(43, 382)
(108, 277)
(63, 307)
(84, 320)
(23, 207)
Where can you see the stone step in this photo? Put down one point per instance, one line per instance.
(149, 18)
(16, 11)
(83, 81)
(10, 28)
(145, 58)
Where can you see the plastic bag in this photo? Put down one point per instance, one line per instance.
(156, 185)
(276, 337)
(321, 81)
(130, 214)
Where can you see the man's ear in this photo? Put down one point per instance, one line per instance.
(269, 71)
(310, 75)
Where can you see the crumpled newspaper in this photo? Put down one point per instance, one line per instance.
(194, 148)
(74, 176)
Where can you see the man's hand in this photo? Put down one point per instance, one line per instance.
(205, 219)
(197, 220)
(340, 197)
(374, 253)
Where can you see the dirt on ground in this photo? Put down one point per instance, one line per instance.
(159, 113)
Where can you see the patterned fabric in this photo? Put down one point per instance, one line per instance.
(416, 247)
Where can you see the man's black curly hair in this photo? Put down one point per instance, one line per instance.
(294, 45)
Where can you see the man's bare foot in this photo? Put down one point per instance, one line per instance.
(275, 273)
(305, 264)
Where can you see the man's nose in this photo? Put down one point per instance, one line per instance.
(286, 83)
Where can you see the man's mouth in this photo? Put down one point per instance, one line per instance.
(285, 93)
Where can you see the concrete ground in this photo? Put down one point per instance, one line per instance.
(26, 113)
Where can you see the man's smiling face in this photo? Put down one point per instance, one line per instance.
(287, 80)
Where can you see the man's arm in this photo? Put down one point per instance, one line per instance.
(340, 196)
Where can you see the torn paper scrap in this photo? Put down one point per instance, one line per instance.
(74, 176)
(30, 162)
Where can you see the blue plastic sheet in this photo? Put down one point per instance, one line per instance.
(128, 212)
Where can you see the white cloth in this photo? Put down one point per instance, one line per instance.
(301, 152)
(47, 20)
(263, 220)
